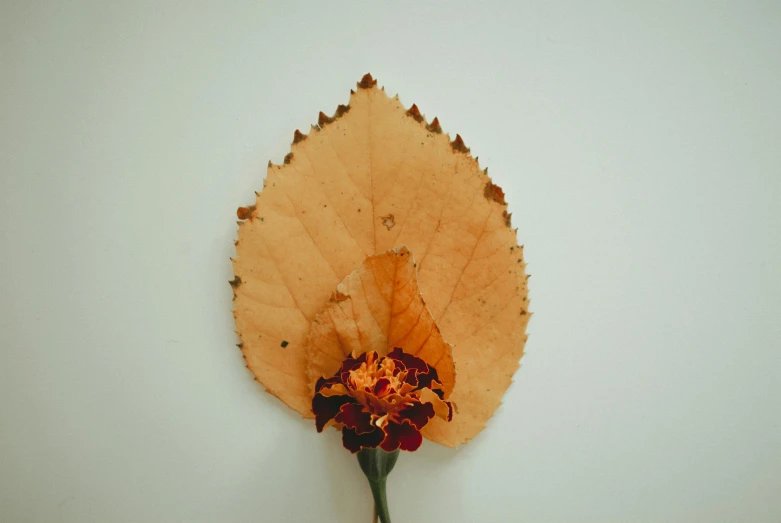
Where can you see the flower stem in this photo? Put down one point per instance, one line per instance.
(380, 499)
(376, 465)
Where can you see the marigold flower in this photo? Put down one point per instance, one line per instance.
(380, 401)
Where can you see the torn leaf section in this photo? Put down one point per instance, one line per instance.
(378, 307)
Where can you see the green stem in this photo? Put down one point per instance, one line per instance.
(380, 499)
(376, 465)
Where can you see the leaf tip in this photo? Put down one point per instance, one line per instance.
(414, 112)
(434, 126)
(458, 145)
(298, 136)
(494, 192)
(367, 82)
(323, 120)
(288, 158)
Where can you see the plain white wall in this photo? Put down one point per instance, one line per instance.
(639, 145)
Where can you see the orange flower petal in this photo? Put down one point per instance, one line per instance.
(442, 408)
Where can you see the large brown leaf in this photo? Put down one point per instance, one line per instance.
(378, 307)
(374, 177)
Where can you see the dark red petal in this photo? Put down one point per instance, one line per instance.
(401, 435)
(425, 373)
(323, 382)
(354, 442)
(349, 364)
(353, 416)
(412, 377)
(424, 380)
(409, 361)
(381, 387)
(399, 355)
(325, 408)
(417, 414)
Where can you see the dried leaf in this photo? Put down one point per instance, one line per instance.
(374, 177)
(378, 307)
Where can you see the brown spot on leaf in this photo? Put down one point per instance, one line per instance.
(367, 82)
(434, 126)
(338, 296)
(235, 282)
(507, 218)
(388, 221)
(494, 192)
(284, 344)
(298, 136)
(288, 158)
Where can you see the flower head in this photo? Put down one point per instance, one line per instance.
(380, 401)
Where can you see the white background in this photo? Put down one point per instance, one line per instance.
(640, 149)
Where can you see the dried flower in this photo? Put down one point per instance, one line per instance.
(381, 401)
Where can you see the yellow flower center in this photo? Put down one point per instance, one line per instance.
(383, 402)
(369, 373)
